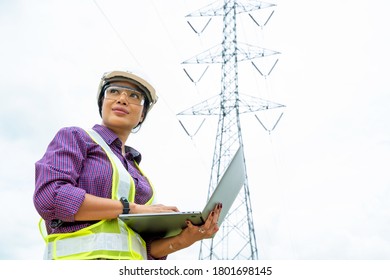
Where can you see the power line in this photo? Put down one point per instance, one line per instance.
(117, 34)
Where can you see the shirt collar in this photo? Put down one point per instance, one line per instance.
(110, 137)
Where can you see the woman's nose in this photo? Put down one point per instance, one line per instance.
(122, 98)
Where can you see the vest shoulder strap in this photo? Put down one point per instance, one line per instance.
(125, 182)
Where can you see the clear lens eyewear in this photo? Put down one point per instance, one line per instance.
(133, 95)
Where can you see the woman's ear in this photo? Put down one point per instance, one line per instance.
(142, 117)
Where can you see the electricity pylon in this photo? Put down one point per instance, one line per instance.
(236, 238)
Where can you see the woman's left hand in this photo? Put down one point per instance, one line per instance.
(188, 236)
(193, 233)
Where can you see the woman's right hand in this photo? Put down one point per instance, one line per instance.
(99, 208)
(154, 208)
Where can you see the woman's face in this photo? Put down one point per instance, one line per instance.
(119, 114)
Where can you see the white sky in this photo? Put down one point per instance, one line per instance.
(319, 182)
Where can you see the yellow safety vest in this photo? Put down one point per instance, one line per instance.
(106, 239)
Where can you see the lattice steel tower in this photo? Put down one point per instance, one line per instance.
(236, 238)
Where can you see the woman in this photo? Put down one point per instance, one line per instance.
(87, 178)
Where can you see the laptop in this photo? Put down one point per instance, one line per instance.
(171, 224)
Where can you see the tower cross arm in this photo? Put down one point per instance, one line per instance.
(243, 52)
(250, 104)
(207, 107)
(216, 8)
(247, 104)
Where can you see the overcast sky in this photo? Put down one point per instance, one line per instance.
(319, 182)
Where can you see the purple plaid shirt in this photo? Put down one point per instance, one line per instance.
(74, 165)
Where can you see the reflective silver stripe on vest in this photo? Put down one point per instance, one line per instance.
(95, 242)
(124, 176)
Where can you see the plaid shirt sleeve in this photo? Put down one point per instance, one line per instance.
(56, 176)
